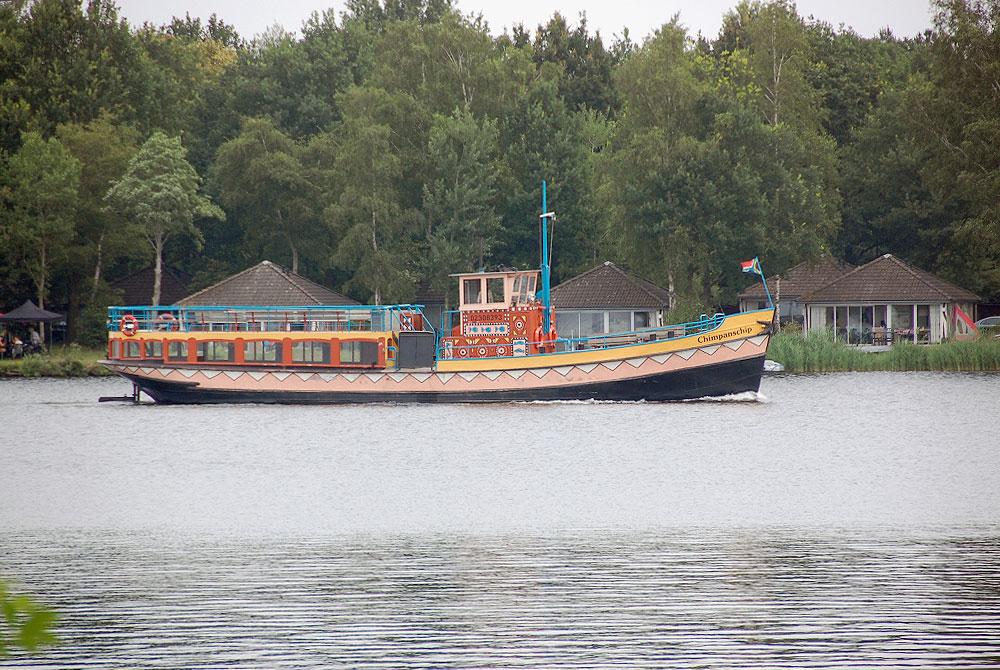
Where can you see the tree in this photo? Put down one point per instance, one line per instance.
(103, 149)
(775, 36)
(45, 179)
(586, 80)
(365, 213)
(260, 176)
(460, 195)
(159, 194)
(954, 114)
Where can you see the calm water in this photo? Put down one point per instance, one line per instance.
(836, 521)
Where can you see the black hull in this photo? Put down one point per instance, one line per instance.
(721, 379)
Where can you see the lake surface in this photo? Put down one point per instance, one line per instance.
(846, 520)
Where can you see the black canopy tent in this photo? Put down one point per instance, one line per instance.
(29, 312)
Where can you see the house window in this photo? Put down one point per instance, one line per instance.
(310, 352)
(154, 349)
(591, 323)
(902, 322)
(472, 290)
(642, 320)
(568, 324)
(619, 322)
(215, 351)
(923, 331)
(177, 351)
(494, 289)
(262, 351)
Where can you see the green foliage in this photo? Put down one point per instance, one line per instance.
(460, 196)
(23, 623)
(37, 233)
(261, 179)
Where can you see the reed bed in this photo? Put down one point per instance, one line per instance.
(821, 353)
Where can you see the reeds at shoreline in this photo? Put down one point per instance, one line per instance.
(821, 353)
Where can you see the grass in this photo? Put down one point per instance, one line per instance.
(71, 361)
(820, 353)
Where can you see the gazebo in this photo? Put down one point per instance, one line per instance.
(29, 312)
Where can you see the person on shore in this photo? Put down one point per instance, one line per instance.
(17, 347)
(3, 345)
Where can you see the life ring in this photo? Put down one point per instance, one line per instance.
(166, 321)
(129, 325)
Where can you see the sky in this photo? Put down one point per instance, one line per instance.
(641, 17)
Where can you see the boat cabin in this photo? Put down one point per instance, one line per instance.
(499, 314)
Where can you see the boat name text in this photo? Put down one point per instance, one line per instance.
(743, 330)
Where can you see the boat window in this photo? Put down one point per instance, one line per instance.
(154, 349)
(522, 294)
(516, 288)
(215, 351)
(132, 349)
(471, 289)
(177, 351)
(350, 352)
(262, 351)
(310, 352)
(494, 289)
(116, 349)
(531, 284)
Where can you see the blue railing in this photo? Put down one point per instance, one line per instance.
(603, 341)
(250, 318)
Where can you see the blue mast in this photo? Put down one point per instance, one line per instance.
(544, 295)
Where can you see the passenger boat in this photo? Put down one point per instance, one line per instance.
(500, 345)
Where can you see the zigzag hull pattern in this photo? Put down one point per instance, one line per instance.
(705, 380)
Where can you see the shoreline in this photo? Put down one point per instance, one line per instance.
(798, 354)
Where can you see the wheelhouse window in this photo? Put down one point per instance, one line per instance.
(306, 351)
(472, 290)
(177, 351)
(262, 351)
(154, 349)
(494, 289)
(215, 351)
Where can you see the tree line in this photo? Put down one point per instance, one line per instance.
(381, 149)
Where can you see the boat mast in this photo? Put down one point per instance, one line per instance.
(546, 270)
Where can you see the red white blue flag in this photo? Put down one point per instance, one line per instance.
(752, 265)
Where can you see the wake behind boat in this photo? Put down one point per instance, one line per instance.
(500, 345)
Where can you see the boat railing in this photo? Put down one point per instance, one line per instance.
(244, 318)
(447, 349)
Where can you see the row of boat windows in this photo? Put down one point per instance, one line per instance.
(258, 351)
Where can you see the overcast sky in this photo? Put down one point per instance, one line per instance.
(904, 17)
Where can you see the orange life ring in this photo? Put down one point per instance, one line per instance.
(129, 325)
